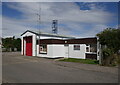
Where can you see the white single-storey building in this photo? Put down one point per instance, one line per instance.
(54, 46)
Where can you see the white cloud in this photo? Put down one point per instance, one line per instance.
(11, 27)
(68, 14)
(96, 29)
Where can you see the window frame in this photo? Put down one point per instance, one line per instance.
(43, 52)
(87, 46)
(76, 47)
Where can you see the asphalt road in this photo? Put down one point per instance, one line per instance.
(27, 69)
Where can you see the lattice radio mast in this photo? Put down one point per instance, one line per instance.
(55, 26)
(39, 22)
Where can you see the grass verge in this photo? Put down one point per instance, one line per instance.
(85, 61)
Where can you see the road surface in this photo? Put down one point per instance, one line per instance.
(27, 69)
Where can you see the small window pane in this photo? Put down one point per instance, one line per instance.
(76, 47)
(87, 49)
(93, 48)
(43, 49)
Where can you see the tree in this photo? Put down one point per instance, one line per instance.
(12, 43)
(17, 44)
(110, 38)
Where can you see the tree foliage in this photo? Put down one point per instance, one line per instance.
(111, 38)
(11, 43)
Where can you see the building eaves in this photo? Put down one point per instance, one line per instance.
(48, 34)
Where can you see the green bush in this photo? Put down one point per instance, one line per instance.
(107, 52)
(111, 39)
(109, 57)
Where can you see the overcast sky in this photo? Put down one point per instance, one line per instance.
(74, 19)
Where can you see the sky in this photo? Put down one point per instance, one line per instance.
(78, 19)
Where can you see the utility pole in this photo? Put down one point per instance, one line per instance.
(99, 51)
(100, 54)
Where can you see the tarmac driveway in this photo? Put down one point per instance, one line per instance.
(28, 69)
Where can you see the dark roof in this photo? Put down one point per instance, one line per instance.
(47, 34)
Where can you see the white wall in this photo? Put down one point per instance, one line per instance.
(49, 52)
(21, 45)
(53, 51)
(66, 51)
(58, 50)
(34, 46)
(24, 47)
(77, 53)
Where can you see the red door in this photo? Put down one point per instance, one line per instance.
(29, 46)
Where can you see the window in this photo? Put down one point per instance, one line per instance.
(87, 49)
(43, 49)
(93, 48)
(76, 47)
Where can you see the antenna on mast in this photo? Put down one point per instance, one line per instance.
(39, 22)
(39, 16)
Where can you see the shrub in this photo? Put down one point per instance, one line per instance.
(109, 57)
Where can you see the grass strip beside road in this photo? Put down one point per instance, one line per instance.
(84, 61)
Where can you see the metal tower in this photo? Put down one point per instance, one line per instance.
(55, 26)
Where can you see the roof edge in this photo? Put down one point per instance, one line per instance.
(47, 34)
(29, 31)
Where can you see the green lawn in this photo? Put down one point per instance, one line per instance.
(85, 61)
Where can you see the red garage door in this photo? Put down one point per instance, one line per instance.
(29, 46)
